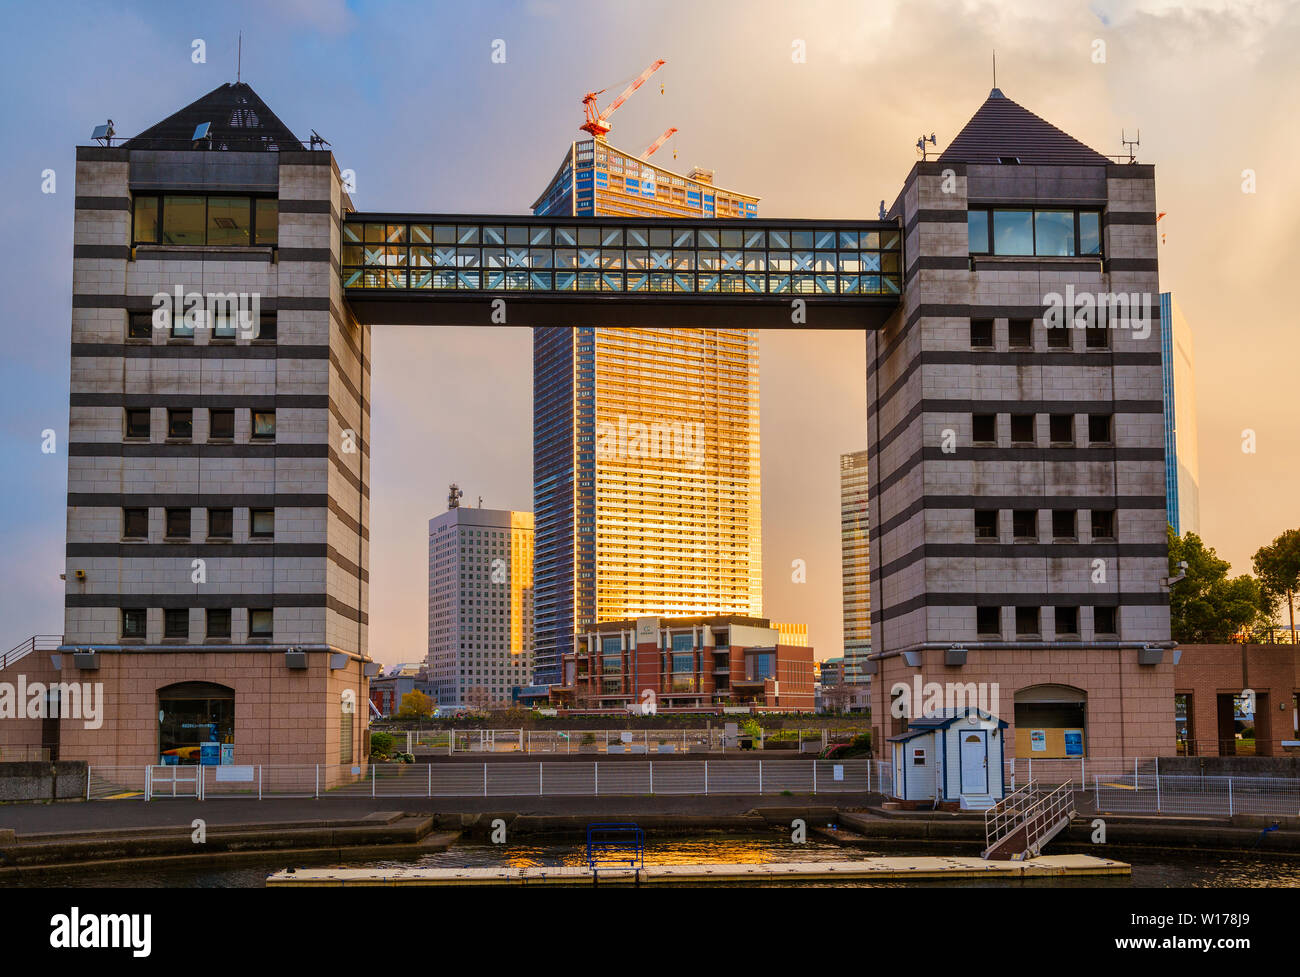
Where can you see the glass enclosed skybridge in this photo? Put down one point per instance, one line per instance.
(621, 271)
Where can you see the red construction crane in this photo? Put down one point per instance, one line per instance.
(668, 134)
(596, 122)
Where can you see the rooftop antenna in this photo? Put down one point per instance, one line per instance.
(995, 67)
(1131, 144)
(453, 496)
(317, 141)
(922, 140)
(239, 59)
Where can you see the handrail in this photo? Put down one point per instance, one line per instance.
(1045, 813)
(1004, 817)
(1030, 809)
(37, 642)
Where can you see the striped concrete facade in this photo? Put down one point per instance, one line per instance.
(926, 383)
(313, 472)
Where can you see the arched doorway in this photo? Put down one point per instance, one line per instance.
(196, 722)
(1051, 722)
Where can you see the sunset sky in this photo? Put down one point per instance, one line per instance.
(410, 99)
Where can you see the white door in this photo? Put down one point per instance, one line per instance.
(974, 762)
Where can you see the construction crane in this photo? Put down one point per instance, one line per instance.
(597, 123)
(668, 134)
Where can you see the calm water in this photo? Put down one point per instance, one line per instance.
(1151, 867)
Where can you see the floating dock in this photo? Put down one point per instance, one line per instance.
(898, 869)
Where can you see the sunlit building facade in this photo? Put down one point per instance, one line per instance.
(855, 564)
(645, 442)
(1182, 461)
(480, 605)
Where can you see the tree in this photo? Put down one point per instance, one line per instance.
(1278, 568)
(1206, 607)
(415, 705)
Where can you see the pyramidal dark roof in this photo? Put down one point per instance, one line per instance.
(1002, 129)
(240, 121)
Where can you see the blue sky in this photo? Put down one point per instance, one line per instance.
(410, 99)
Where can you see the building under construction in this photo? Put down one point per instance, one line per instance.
(596, 179)
(631, 524)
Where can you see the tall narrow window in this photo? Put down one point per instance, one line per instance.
(267, 220)
(144, 225)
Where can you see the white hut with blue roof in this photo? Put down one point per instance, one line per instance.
(950, 758)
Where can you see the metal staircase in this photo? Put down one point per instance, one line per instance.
(1020, 824)
(37, 642)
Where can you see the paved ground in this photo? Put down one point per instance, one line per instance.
(92, 815)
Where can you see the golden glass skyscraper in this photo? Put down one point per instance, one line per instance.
(647, 488)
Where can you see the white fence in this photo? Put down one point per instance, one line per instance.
(541, 779)
(609, 741)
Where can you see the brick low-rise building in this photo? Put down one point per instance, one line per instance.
(693, 664)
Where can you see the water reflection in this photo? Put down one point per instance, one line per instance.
(1152, 868)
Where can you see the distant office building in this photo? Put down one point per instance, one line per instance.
(855, 570)
(645, 442)
(1182, 459)
(480, 605)
(696, 664)
(832, 672)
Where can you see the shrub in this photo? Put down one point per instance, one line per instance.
(381, 744)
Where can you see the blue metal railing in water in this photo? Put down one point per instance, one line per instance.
(615, 845)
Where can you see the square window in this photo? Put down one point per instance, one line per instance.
(135, 523)
(1058, 337)
(1067, 621)
(988, 622)
(180, 424)
(1061, 429)
(178, 524)
(1020, 333)
(1022, 429)
(265, 329)
(1099, 428)
(1024, 524)
(137, 422)
(176, 622)
(984, 428)
(184, 220)
(986, 523)
(1063, 524)
(1054, 233)
(1013, 232)
(1096, 337)
(1027, 622)
(981, 333)
(1103, 523)
(133, 622)
(261, 523)
(1103, 620)
(261, 622)
(221, 523)
(139, 325)
(229, 220)
(218, 625)
(221, 425)
(263, 425)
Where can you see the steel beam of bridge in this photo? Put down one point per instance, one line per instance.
(456, 269)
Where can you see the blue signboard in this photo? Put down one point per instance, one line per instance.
(1074, 742)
